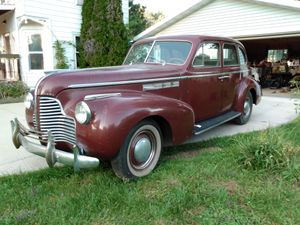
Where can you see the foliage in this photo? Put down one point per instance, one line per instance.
(296, 84)
(103, 35)
(12, 89)
(61, 59)
(267, 150)
(140, 19)
(137, 19)
(153, 18)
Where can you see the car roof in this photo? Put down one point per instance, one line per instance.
(191, 38)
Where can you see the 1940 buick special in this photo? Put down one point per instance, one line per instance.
(168, 89)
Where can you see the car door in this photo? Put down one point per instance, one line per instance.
(230, 75)
(203, 90)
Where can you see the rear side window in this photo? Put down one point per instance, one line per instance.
(242, 56)
(230, 55)
(208, 55)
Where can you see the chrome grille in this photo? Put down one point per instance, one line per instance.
(34, 121)
(53, 118)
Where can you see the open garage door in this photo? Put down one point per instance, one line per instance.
(283, 59)
(258, 49)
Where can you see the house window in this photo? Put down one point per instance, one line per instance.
(77, 43)
(35, 52)
(207, 55)
(275, 55)
(230, 55)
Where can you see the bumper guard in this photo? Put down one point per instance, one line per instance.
(22, 136)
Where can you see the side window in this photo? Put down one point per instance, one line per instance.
(208, 55)
(242, 56)
(230, 55)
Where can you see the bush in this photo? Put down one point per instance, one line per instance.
(12, 89)
(268, 150)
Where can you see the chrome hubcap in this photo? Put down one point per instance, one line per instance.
(142, 150)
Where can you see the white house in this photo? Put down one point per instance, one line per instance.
(263, 26)
(28, 29)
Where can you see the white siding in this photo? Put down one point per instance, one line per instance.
(235, 18)
(63, 22)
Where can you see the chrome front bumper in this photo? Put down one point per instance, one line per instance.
(21, 136)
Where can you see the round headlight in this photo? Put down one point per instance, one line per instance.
(82, 113)
(28, 102)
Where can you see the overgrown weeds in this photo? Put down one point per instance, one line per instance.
(267, 150)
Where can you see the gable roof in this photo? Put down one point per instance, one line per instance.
(156, 28)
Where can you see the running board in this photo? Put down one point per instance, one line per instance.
(206, 125)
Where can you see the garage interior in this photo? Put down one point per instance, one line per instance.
(275, 60)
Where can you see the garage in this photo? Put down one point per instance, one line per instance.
(269, 29)
(282, 54)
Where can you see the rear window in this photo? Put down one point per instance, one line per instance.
(242, 56)
(230, 55)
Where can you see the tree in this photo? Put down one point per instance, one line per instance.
(153, 18)
(140, 19)
(103, 35)
(137, 19)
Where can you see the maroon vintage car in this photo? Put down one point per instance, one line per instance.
(168, 89)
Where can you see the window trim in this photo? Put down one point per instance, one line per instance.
(220, 58)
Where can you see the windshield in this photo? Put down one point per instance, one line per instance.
(162, 52)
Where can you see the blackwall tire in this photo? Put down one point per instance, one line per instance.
(140, 152)
(247, 110)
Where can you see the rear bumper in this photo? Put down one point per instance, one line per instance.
(30, 140)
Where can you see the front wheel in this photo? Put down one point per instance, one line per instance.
(140, 152)
(247, 110)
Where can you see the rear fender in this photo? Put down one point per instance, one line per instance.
(245, 86)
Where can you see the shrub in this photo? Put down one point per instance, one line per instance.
(12, 89)
(268, 150)
(60, 55)
(103, 35)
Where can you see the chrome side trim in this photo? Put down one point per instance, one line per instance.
(114, 83)
(158, 86)
(100, 96)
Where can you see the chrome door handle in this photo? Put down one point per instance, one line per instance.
(223, 77)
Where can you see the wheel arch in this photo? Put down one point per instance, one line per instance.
(253, 93)
(165, 127)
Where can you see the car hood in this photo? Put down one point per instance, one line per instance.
(55, 82)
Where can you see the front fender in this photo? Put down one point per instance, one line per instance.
(114, 117)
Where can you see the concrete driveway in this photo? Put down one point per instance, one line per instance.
(272, 111)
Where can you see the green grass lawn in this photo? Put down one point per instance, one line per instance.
(201, 183)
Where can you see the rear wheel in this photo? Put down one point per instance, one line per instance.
(140, 152)
(247, 110)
